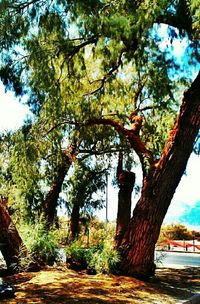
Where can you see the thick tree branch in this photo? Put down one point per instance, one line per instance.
(134, 140)
(51, 199)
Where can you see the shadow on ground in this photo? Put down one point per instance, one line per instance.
(61, 285)
(182, 283)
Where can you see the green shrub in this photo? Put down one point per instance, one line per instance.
(40, 243)
(76, 255)
(63, 231)
(101, 258)
(105, 259)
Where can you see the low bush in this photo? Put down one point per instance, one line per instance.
(105, 259)
(40, 243)
(76, 256)
(101, 258)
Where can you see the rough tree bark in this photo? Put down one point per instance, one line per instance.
(10, 241)
(74, 221)
(126, 181)
(159, 185)
(51, 200)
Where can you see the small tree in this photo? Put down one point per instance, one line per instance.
(84, 193)
(51, 200)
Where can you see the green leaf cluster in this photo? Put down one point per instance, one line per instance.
(85, 186)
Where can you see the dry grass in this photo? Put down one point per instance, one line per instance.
(61, 285)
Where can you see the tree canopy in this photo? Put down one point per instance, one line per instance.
(85, 68)
(102, 76)
(100, 60)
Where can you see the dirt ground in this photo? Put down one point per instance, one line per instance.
(61, 285)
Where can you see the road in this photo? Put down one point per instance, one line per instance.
(165, 258)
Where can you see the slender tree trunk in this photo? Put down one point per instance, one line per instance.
(126, 181)
(51, 200)
(138, 244)
(10, 241)
(74, 222)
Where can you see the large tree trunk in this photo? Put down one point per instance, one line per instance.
(10, 241)
(51, 200)
(126, 181)
(138, 244)
(74, 222)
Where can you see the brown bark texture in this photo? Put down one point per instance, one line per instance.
(10, 241)
(74, 221)
(51, 200)
(138, 244)
(126, 181)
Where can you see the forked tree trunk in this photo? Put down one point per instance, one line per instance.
(10, 241)
(74, 222)
(51, 200)
(138, 244)
(126, 181)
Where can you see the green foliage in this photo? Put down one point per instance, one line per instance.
(105, 259)
(84, 183)
(77, 255)
(101, 258)
(96, 253)
(62, 232)
(79, 49)
(40, 243)
(25, 174)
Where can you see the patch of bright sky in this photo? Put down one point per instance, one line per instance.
(12, 113)
(178, 49)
